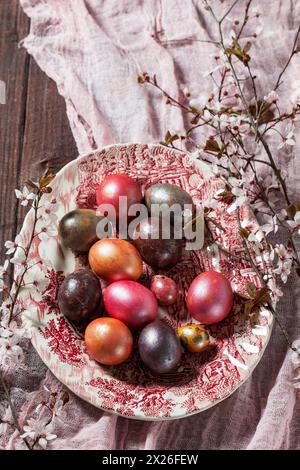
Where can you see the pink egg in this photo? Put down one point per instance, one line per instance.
(210, 297)
(130, 302)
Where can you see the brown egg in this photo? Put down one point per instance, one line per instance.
(77, 229)
(193, 337)
(114, 259)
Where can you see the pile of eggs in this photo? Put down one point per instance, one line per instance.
(129, 307)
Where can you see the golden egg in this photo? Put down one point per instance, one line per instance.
(193, 337)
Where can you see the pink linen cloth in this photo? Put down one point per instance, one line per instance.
(94, 50)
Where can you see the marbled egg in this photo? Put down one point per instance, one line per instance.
(193, 337)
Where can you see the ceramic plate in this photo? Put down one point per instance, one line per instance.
(202, 380)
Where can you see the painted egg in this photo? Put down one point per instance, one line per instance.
(78, 229)
(114, 259)
(210, 297)
(193, 337)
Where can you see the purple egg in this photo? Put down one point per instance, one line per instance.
(159, 347)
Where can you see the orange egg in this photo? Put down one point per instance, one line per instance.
(114, 259)
(108, 341)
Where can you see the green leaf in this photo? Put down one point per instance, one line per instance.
(244, 233)
(143, 78)
(195, 120)
(251, 289)
(46, 190)
(212, 145)
(293, 209)
(169, 138)
(46, 179)
(239, 52)
(248, 307)
(65, 398)
(194, 110)
(247, 46)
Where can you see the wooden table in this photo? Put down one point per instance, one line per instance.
(34, 129)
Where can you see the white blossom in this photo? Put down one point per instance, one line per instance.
(257, 12)
(45, 229)
(269, 182)
(25, 196)
(223, 121)
(271, 97)
(276, 292)
(295, 224)
(9, 347)
(239, 124)
(19, 259)
(270, 226)
(284, 261)
(229, 38)
(6, 418)
(48, 211)
(259, 29)
(5, 308)
(199, 102)
(220, 60)
(241, 198)
(31, 317)
(38, 280)
(38, 431)
(58, 409)
(287, 137)
(11, 246)
(256, 235)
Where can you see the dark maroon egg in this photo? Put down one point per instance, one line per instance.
(210, 297)
(159, 348)
(157, 248)
(80, 295)
(130, 302)
(164, 289)
(166, 195)
(78, 229)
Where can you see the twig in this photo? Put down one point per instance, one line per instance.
(228, 11)
(27, 251)
(278, 83)
(12, 408)
(245, 21)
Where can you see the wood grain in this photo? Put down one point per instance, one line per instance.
(14, 66)
(34, 129)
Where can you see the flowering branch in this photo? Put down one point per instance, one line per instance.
(237, 126)
(12, 332)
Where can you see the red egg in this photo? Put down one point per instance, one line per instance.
(114, 186)
(164, 289)
(130, 302)
(210, 297)
(108, 341)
